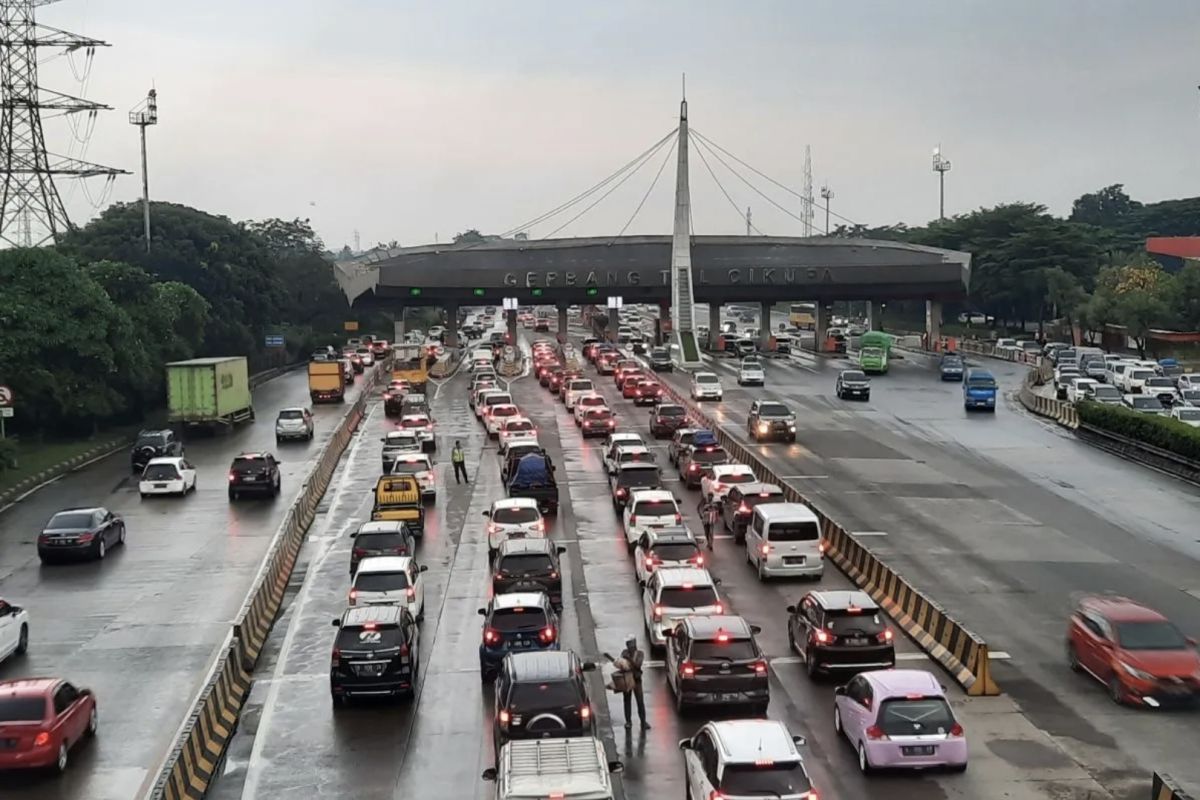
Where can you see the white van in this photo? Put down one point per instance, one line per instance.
(573, 768)
(784, 540)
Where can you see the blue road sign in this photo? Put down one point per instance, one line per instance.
(274, 341)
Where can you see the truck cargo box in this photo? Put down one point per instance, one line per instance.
(208, 391)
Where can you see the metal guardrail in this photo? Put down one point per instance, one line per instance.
(1165, 788)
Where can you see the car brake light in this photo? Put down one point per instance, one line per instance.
(505, 717)
(42, 739)
(633, 519)
(658, 612)
(876, 733)
(649, 561)
(621, 492)
(956, 730)
(822, 635)
(491, 636)
(822, 547)
(687, 669)
(723, 638)
(353, 596)
(887, 635)
(493, 528)
(547, 634)
(759, 667)
(692, 467)
(720, 607)
(411, 593)
(335, 660)
(232, 476)
(585, 712)
(743, 509)
(540, 525)
(678, 518)
(699, 559)
(765, 549)
(612, 424)
(715, 795)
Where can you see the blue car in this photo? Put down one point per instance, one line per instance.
(952, 367)
(979, 390)
(518, 622)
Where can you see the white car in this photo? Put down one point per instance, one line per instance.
(646, 510)
(1190, 397)
(1135, 378)
(167, 476)
(497, 415)
(294, 423)
(14, 630)
(585, 402)
(1078, 388)
(1144, 404)
(366, 356)
(1114, 372)
(751, 372)
(389, 580)
(1162, 388)
(1063, 376)
(1190, 380)
(420, 467)
(628, 454)
(516, 428)
(515, 518)
(615, 440)
(723, 755)
(672, 594)
(490, 400)
(723, 477)
(672, 547)
(481, 396)
(576, 388)
(706, 386)
(422, 426)
(1006, 344)
(396, 443)
(1188, 415)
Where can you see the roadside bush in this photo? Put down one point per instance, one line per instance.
(1162, 432)
(8, 454)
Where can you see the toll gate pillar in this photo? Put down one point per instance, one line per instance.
(450, 339)
(562, 322)
(933, 323)
(821, 326)
(714, 324)
(764, 325)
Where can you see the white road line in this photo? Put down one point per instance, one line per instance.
(868, 533)
(911, 656)
(998, 655)
(803, 477)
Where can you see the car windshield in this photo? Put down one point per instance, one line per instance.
(554, 694)
(380, 581)
(714, 456)
(733, 650)
(409, 467)
(376, 637)
(654, 508)
(737, 477)
(671, 411)
(600, 414)
(638, 477)
(151, 439)
(515, 516)
(844, 620)
(399, 440)
(794, 532)
(952, 361)
(160, 472)
(981, 382)
(518, 425)
(915, 717)
(414, 422)
(1188, 414)
(1106, 392)
(707, 379)
(753, 500)
(519, 618)
(22, 709)
(504, 411)
(1147, 403)
(580, 386)
(681, 597)
(774, 779)
(1142, 374)
(675, 551)
(1158, 635)
(291, 413)
(659, 353)
(71, 520)
(1156, 383)
(591, 401)
(525, 562)
(854, 376)
(381, 541)
(773, 410)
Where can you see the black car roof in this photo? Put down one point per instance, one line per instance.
(541, 666)
(756, 488)
(841, 600)
(708, 627)
(379, 614)
(509, 546)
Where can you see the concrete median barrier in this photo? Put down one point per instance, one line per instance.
(962, 653)
(200, 745)
(1164, 788)
(1060, 411)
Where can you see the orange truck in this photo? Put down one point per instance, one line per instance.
(325, 382)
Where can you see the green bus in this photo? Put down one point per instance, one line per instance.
(874, 349)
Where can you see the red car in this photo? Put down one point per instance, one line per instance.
(1135, 651)
(41, 719)
(646, 392)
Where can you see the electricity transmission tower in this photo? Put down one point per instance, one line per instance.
(806, 204)
(31, 210)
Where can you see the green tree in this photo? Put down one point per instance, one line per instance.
(1109, 207)
(469, 236)
(1184, 297)
(1065, 293)
(1140, 310)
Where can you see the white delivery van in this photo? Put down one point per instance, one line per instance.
(784, 540)
(573, 768)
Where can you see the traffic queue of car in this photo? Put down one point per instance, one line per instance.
(1142, 385)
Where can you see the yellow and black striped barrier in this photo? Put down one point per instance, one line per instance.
(1164, 788)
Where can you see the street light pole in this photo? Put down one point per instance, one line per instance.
(826, 195)
(941, 166)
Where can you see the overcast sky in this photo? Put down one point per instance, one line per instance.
(408, 120)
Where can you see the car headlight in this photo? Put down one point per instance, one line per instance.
(763, 427)
(792, 428)
(1135, 672)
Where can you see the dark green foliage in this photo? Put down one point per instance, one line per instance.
(1162, 432)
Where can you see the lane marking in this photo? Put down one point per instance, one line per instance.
(803, 477)
(868, 533)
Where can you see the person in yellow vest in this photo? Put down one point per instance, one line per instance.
(459, 459)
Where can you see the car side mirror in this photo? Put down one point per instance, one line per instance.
(337, 623)
(791, 609)
(616, 767)
(685, 744)
(1192, 641)
(489, 774)
(560, 550)
(716, 581)
(799, 741)
(487, 513)
(482, 612)
(756, 629)
(383, 439)
(642, 582)
(588, 666)
(422, 568)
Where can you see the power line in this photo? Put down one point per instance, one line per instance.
(720, 186)
(653, 183)
(614, 187)
(761, 174)
(743, 179)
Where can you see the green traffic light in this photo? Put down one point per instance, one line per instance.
(592, 291)
(478, 292)
(415, 291)
(537, 292)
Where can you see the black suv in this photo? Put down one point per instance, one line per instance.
(542, 695)
(853, 383)
(517, 622)
(253, 472)
(633, 475)
(660, 360)
(841, 630)
(716, 661)
(737, 507)
(381, 538)
(154, 444)
(375, 653)
(666, 418)
(680, 441)
(529, 565)
(770, 419)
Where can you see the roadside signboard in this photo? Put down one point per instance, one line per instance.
(6, 396)
(274, 341)
(350, 325)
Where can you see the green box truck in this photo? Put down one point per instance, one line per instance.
(875, 348)
(209, 391)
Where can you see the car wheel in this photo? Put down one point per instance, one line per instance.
(1073, 658)
(22, 641)
(101, 549)
(791, 640)
(232, 494)
(60, 763)
(278, 441)
(1115, 692)
(338, 700)
(810, 663)
(121, 536)
(837, 720)
(864, 764)
(761, 576)
(143, 494)
(93, 722)
(957, 767)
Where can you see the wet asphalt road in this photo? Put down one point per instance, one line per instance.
(140, 627)
(293, 740)
(1001, 518)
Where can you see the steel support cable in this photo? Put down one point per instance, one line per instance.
(646, 196)
(587, 193)
(613, 188)
(720, 186)
(761, 174)
(743, 179)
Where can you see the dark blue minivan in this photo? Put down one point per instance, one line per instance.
(979, 390)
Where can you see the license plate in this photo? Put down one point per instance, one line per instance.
(918, 750)
(725, 696)
(7, 744)
(522, 643)
(368, 670)
(794, 560)
(160, 486)
(249, 479)
(65, 542)
(857, 642)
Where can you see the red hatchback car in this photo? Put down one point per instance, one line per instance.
(1135, 651)
(41, 719)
